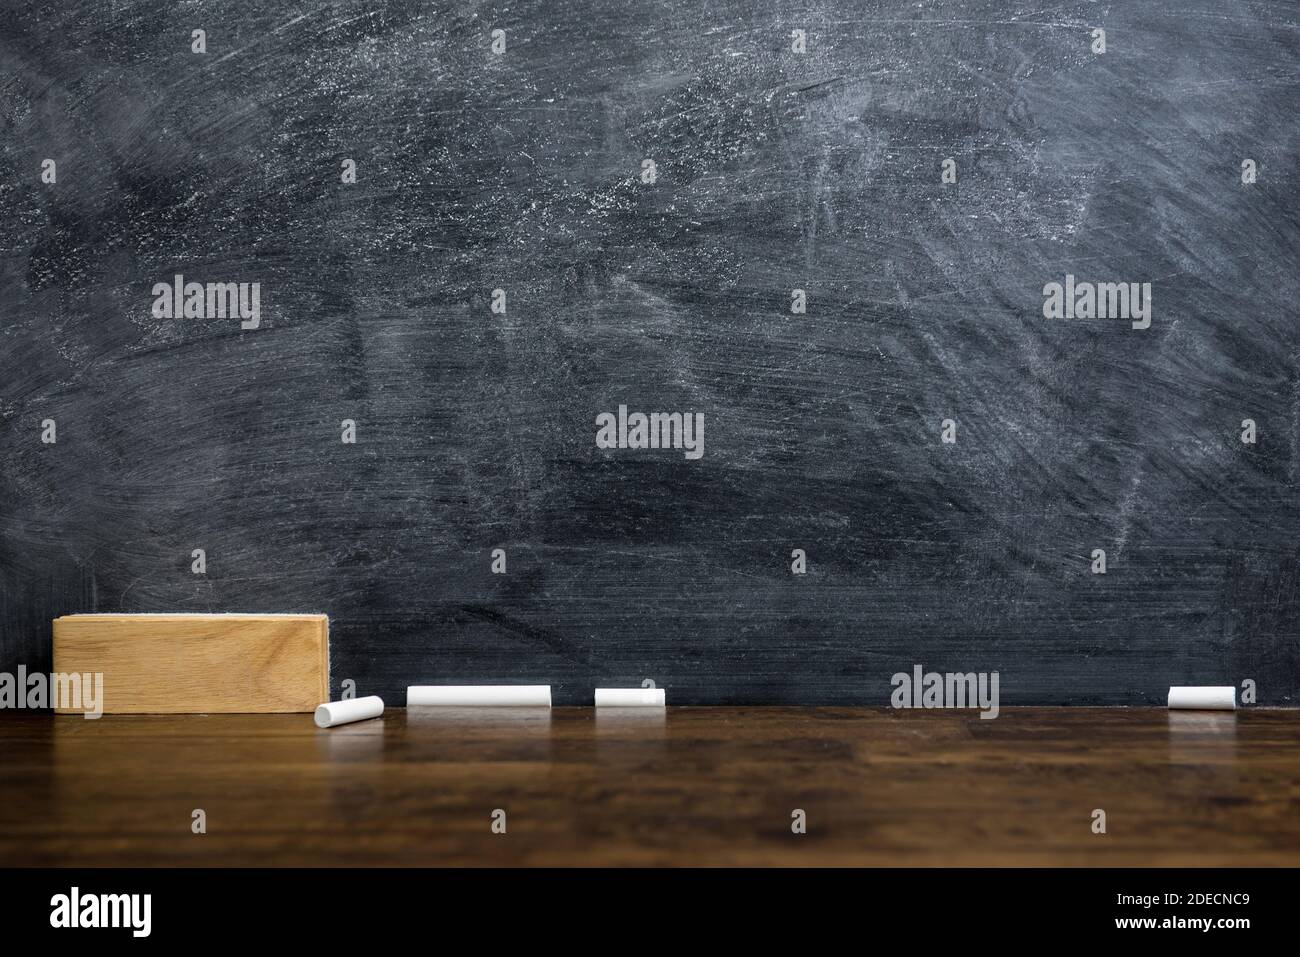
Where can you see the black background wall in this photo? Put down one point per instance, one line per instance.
(775, 171)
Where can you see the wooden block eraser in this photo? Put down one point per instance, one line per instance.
(188, 664)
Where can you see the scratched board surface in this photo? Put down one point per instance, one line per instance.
(518, 162)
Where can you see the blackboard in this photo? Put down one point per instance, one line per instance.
(794, 147)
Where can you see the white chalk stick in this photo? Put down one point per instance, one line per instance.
(1204, 698)
(629, 697)
(479, 696)
(349, 710)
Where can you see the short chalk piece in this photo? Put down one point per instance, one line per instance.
(479, 696)
(334, 713)
(629, 697)
(1204, 698)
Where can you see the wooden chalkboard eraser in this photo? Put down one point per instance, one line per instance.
(187, 664)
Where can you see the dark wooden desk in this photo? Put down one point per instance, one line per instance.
(704, 786)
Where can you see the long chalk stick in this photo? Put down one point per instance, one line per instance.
(480, 696)
(347, 711)
(1204, 698)
(629, 697)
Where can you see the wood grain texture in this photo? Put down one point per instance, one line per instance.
(692, 786)
(776, 171)
(186, 664)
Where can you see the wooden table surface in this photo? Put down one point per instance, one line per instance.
(697, 786)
